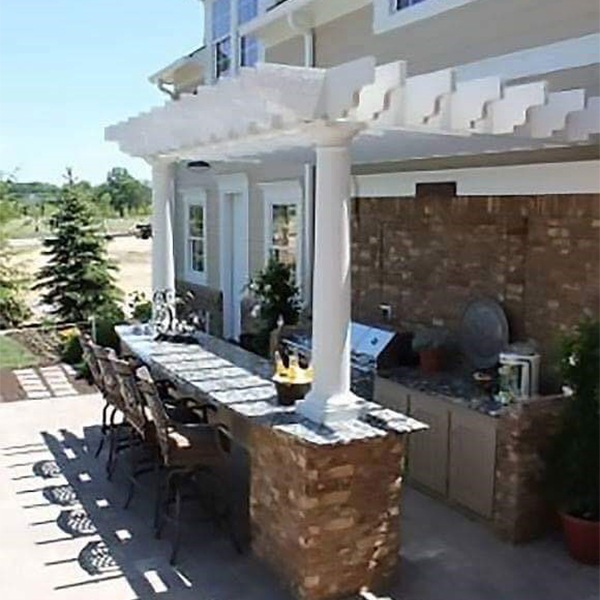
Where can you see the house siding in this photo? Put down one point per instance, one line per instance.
(444, 40)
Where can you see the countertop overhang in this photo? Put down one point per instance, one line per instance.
(232, 378)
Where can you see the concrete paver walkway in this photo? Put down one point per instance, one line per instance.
(64, 534)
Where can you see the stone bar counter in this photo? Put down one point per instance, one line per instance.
(323, 501)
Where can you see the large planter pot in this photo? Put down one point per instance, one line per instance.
(583, 538)
(430, 360)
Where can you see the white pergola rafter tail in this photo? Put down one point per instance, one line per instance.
(331, 116)
(271, 107)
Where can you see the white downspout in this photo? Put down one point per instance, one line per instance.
(302, 24)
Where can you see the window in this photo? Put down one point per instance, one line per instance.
(222, 57)
(221, 19)
(247, 9)
(221, 31)
(196, 239)
(248, 51)
(284, 233)
(401, 4)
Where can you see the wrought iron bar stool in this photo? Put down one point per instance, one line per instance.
(113, 396)
(141, 432)
(90, 359)
(185, 451)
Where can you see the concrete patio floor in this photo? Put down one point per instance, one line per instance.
(47, 471)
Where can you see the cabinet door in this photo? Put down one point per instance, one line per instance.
(428, 454)
(472, 460)
(390, 394)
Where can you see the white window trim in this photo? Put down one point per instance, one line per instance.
(386, 17)
(288, 192)
(194, 197)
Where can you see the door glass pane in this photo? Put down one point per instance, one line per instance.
(197, 255)
(247, 9)
(222, 57)
(284, 233)
(248, 51)
(221, 18)
(196, 221)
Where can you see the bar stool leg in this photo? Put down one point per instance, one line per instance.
(132, 474)
(158, 473)
(177, 518)
(103, 429)
(112, 431)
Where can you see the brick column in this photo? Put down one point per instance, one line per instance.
(326, 517)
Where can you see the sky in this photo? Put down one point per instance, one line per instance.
(69, 68)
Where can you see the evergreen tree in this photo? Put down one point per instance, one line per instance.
(78, 279)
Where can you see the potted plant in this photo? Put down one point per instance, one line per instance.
(278, 298)
(428, 343)
(573, 464)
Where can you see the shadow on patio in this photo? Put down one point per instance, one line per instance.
(68, 536)
(91, 543)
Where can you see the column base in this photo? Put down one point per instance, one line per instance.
(331, 409)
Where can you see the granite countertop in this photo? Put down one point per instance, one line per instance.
(232, 377)
(457, 387)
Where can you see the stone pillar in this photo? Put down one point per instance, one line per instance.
(330, 398)
(163, 256)
(326, 517)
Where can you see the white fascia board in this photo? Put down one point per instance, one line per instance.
(567, 54)
(581, 177)
(385, 18)
(167, 73)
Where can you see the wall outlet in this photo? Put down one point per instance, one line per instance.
(386, 311)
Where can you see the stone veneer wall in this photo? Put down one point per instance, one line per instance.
(206, 298)
(296, 487)
(521, 510)
(429, 256)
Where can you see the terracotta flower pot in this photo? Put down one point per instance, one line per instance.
(430, 360)
(583, 538)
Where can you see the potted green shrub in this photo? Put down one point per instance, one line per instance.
(428, 343)
(278, 297)
(573, 463)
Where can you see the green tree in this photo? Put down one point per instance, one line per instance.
(79, 278)
(13, 281)
(126, 194)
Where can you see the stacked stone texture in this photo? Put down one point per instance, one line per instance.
(326, 517)
(428, 257)
(521, 508)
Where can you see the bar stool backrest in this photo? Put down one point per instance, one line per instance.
(151, 396)
(88, 355)
(132, 398)
(110, 385)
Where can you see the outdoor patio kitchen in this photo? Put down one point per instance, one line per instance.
(324, 473)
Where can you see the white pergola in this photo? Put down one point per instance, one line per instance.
(336, 116)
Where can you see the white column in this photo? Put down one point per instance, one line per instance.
(330, 399)
(163, 255)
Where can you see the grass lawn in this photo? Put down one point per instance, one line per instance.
(15, 356)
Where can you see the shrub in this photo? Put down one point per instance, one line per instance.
(573, 461)
(277, 294)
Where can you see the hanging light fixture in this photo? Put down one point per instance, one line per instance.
(198, 165)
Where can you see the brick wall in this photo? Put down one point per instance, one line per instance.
(429, 256)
